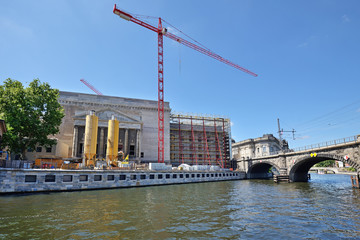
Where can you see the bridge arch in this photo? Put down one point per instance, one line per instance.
(260, 170)
(299, 172)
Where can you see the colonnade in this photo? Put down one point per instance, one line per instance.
(129, 145)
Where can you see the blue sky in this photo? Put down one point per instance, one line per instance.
(306, 53)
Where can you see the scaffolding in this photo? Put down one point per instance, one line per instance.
(200, 140)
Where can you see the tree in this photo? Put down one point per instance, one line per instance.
(31, 114)
(326, 163)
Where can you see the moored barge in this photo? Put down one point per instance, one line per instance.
(50, 180)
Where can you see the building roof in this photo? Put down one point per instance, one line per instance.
(264, 138)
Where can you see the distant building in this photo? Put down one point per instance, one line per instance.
(257, 147)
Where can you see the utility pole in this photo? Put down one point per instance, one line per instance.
(281, 131)
(280, 139)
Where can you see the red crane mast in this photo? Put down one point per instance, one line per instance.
(163, 32)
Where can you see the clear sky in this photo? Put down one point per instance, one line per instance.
(306, 53)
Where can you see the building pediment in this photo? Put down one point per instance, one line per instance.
(106, 114)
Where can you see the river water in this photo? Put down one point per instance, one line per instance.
(324, 208)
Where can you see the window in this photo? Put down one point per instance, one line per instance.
(142, 154)
(132, 150)
(271, 149)
(81, 148)
(30, 178)
(142, 176)
(207, 175)
(198, 175)
(212, 175)
(174, 176)
(133, 177)
(152, 176)
(192, 175)
(167, 176)
(30, 150)
(187, 175)
(49, 178)
(122, 177)
(110, 177)
(181, 176)
(97, 178)
(67, 178)
(38, 149)
(83, 178)
(216, 175)
(160, 176)
(48, 149)
(203, 175)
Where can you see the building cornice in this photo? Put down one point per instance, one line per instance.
(108, 105)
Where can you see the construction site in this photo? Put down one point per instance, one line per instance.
(200, 140)
(181, 138)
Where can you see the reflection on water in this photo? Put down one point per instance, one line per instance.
(324, 208)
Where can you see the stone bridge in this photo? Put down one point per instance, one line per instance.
(296, 164)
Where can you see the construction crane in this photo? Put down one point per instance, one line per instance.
(91, 87)
(163, 32)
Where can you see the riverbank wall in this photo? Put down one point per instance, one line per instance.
(50, 180)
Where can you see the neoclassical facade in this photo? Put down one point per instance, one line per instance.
(257, 147)
(138, 126)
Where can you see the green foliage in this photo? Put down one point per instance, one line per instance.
(326, 163)
(31, 114)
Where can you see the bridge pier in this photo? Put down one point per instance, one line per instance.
(355, 181)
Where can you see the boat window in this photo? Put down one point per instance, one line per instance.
(49, 178)
(83, 178)
(30, 178)
(97, 178)
(67, 178)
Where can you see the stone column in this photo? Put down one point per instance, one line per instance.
(101, 144)
(140, 132)
(137, 152)
(126, 142)
(75, 142)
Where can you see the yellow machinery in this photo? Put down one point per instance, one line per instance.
(112, 142)
(91, 130)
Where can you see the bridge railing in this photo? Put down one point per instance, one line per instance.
(314, 146)
(326, 144)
